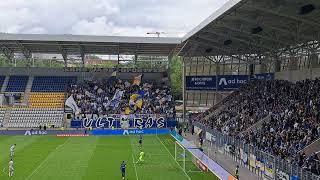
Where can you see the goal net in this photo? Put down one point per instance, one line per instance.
(186, 160)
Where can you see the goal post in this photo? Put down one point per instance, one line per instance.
(180, 155)
(185, 159)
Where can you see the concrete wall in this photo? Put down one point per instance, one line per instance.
(298, 75)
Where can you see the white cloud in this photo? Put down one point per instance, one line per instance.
(104, 17)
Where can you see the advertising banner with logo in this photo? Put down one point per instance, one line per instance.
(222, 82)
(111, 122)
(124, 132)
(40, 132)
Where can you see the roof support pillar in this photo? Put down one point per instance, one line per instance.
(64, 55)
(82, 54)
(118, 53)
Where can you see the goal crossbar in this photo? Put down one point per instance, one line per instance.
(203, 159)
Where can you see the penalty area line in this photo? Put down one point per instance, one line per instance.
(173, 158)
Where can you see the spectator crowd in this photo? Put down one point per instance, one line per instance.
(289, 114)
(122, 97)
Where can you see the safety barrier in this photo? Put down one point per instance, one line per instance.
(261, 163)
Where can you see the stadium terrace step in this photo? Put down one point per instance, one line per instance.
(312, 148)
(4, 83)
(257, 125)
(28, 90)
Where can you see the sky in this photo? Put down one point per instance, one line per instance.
(104, 17)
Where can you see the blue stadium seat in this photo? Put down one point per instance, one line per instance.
(17, 83)
(52, 83)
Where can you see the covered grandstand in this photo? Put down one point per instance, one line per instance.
(244, 40)
(248, 40)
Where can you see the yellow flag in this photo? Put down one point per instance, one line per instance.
(139, 103)
(127, 111)
(137, 80)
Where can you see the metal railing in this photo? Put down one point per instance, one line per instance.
(259, 162)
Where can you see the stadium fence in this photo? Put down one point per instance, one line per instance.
(261, 163)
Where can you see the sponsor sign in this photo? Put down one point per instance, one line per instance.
(35, 132)
(111, 122)
(201, 82)
(222, 82)
(231, 82)
(39, 132)
(265, 76)
(126, 132)
(201, 166)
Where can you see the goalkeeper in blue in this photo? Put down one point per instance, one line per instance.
(141, 157)
(123, 170)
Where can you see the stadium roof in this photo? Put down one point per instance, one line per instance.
(255, 26)
(238, 27)
(78, 44)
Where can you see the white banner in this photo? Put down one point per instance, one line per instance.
(209, 136)
(197, 130)
(70, 102)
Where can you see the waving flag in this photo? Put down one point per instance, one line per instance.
(137, 80)
(70, 102)
(117, 98)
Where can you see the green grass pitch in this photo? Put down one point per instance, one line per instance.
(92, 158)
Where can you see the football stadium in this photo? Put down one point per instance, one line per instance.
(237, 97)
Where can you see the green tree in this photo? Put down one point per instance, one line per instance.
(175, 72)
(4, 62)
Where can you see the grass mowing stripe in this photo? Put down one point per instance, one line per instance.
(134, 163)
(45, 160)
(173, 157)
(135, 168)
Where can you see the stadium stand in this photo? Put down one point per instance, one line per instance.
(46, 100)
(17, 83)
(122, 97)
(33, 117)
(45, 104)
(294, 118)
(51, 83)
